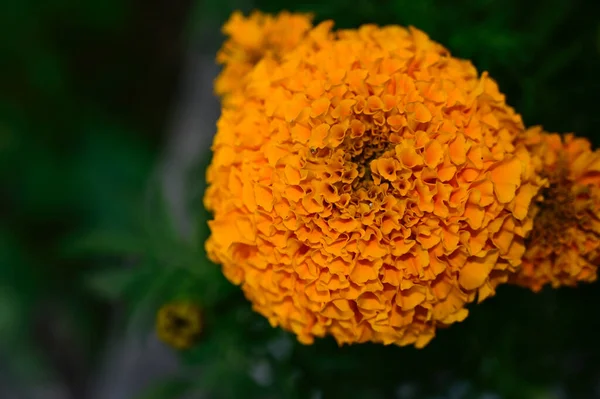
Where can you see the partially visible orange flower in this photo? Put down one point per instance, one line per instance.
(250, 39)
(564, 247)
(368, 186)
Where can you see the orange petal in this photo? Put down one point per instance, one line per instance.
(506, 177)
(475, 272)
(434, 154)
(422, 113)
(320, 106)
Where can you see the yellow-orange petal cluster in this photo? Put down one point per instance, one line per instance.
(369, 188)
(254, 38)
(564, 247)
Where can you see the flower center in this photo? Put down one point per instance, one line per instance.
(177, 323)
(556, 211)
(363, 152)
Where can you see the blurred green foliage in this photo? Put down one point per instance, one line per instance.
(80, 127)
(83, 102)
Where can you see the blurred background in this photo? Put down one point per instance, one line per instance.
(106, 118)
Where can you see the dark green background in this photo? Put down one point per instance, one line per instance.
(85, 94)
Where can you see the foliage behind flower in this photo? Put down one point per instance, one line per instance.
(365, 184)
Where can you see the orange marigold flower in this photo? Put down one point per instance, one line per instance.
(369, 187)
(564, 247)
(250, 39)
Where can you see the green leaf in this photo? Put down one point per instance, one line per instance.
(11, 315)
(112, 284)
(172, 388)
(561, 59)
(421, 14)
(156, 217)
(106, 243)
(146, 297)
(598, 39)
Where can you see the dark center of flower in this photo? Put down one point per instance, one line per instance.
(364, 152)
(177, 322)
(556, 213)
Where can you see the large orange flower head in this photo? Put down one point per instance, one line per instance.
(564, 247)
(367, 185)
